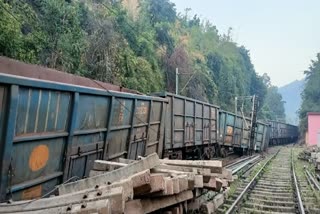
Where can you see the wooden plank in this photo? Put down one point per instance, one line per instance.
(134, 207)
(183, 183)
(157, 184)
(102, 165)
(101, 206)
(149, 162)
(176, 187)
(219, 184)
(126, 161)
(141, 179)
(168, 190)
(114, 195)
(194, 181)
(198, 181)
(214, 165)
(195, 203)
(195, 170)
(153, 204)
(211, 184)
(207, 208)
(169, 187)
(226, 174)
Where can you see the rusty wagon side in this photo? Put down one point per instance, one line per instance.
(262, 135)
(51, 132)
(191, 127)
(283, 133)
(234, 132)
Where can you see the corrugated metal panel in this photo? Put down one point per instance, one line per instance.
(54, 132)
(282, 133)
(189, 122)
(234, 130)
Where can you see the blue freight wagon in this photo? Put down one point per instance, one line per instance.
(234, 132)
(283, 133)
(261, 141)
(191, 129)
(51, 132)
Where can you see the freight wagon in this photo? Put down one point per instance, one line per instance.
(52, 132)
(199, 130)
(234, 132)
(282, 133)
(54, 125)
(191, 128)
(262, 135)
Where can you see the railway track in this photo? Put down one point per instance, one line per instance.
(309, 189)
(273, 189)
(243, 164)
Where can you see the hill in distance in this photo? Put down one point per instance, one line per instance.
(291, 94)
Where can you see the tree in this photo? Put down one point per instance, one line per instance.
(161, 11)
(99, 40)
(273, 108)
(311, 93)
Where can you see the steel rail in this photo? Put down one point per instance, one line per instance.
(313, 180)
(300, 203)
(239, 198)
(309, 182)
(235, 170)
(238, 162)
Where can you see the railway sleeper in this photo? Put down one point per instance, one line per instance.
(311, 199)
(253, 211)
(273, 202)
(277, 198)
(271, 208)
(277, 177)
(313, 210)
(268, 183)
(275, 191)
(274, 186)
(259, 192)
(311, 205)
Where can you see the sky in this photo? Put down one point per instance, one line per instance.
(283, 36)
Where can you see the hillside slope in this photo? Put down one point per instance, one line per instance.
(291, 94)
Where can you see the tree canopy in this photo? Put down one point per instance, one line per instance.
(311, 93)
(99, 39)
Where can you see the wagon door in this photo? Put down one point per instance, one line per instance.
(36, 130)
(88, 129)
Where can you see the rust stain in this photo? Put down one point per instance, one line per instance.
(228, 140)
(32, 193)
(121, 113)
(229, 130)
(142, 110)
(39, 157)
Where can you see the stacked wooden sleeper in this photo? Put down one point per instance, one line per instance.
(142, 186)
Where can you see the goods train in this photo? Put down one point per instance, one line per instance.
(54, 125)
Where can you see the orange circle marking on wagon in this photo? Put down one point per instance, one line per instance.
(39, 157)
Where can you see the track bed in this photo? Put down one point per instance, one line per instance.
(273, 188)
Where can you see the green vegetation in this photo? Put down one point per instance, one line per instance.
(273, 107)
(139, 50)
(311, 93)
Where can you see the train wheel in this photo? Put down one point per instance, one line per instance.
(212, 152)
(198, 154)
(223, 152)
(217, 150)
(209, 152)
